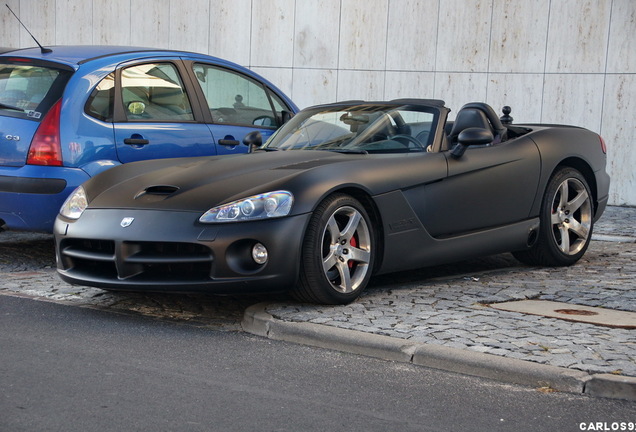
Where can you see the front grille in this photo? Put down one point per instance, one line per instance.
(157, 262)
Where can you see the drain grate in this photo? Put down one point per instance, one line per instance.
(565, 311)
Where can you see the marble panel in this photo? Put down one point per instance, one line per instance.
(574, 99)
(38, 21)
(363, 34)
(518, 37)
(73, 22)
(280, 77)
(317, 33)
(314, 86)
(620, 135)
(577, 36)
(230, 23)
(458, 89)
(412, 35)
(150, 23)
(189, 25)
(360, 85)
(464, 39)
(420, 85)
(10, 29)
(621, 56)
(272, 33)
(112, 24)
(522, 92)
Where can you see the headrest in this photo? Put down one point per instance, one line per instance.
(166, 96)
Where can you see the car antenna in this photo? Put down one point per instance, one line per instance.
(42, 49)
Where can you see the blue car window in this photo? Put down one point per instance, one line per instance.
(235, 99)
(29, 90)
(154, 92)
(100, 102)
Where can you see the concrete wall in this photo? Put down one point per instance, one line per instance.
(570, 61)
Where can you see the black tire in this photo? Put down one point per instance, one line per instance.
(338, 252)
(566, 222)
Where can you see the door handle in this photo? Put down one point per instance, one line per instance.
(136, 141)
(228, 142)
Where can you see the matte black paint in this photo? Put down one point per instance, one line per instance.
(428, 208)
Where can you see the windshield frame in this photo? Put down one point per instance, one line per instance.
(333, 135)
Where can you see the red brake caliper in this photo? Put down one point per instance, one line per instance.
(354, 243)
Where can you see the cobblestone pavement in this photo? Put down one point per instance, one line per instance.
(444, 305)
(452, 310)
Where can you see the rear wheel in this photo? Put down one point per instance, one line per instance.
(566, 222)
(338, 252)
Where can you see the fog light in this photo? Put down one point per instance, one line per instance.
(259, 253)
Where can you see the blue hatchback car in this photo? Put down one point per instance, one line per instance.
(69, 114)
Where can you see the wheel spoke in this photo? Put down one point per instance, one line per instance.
(345, 277)
(555, 219)
(563, 192)
(329, 261)
(332, 228)
(352, 225)
(565, 240)
(578, 201)
(579, 229)
(359, 255)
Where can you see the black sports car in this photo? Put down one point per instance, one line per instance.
(341, 192)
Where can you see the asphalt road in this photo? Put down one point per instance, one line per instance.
(79, 369)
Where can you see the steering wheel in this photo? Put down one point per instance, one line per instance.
(408, 138)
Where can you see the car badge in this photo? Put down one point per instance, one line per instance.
(125, 222)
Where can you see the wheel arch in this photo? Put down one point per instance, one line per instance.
(372, 210)
(584, 168)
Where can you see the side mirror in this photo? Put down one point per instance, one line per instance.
(471, 137)
(286, 116)
(253, 139)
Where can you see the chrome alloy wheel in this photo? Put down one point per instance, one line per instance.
(571, 217)
(346, 249)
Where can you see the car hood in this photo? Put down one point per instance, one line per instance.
(197, 184)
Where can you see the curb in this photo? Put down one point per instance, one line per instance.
(513, 371)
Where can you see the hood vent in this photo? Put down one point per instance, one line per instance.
(158, 190)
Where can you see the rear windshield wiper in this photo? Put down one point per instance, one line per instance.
(15, 108)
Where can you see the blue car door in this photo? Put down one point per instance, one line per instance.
(157, 115)
(236, 104)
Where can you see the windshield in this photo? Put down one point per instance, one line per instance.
(359, 128)
(28, 90)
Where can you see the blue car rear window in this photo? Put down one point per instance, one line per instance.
(29, 89)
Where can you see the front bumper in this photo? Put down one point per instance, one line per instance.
(169, 251)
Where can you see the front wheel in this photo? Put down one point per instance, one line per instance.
(566, 222)
(338, 252)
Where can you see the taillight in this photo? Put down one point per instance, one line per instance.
(603, 146)
(46, 148)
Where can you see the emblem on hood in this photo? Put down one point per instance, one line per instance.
(125, 222)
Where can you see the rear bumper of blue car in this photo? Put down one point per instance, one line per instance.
(31, 196)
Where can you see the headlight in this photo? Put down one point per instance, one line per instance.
(75, 204)
(263, 206)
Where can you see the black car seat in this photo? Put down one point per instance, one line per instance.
(479, 115)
